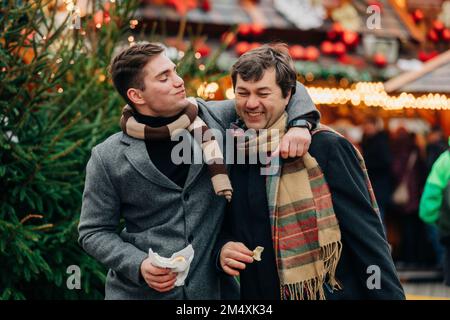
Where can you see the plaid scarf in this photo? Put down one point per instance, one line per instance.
(190, 121)
(305, 231)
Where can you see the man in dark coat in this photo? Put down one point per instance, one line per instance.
(365, 269)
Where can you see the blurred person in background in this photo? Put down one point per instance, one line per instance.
(407, 170)
(435, 146)
(435, 205)
(376, 152)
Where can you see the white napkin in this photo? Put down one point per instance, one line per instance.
(179, 261)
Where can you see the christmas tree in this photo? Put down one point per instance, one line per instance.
(56, 103)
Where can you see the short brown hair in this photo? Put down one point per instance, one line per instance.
(252, 65)
(127, 67)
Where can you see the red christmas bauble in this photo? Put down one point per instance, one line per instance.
(242, 47)
(423, 56)
(98, 17)
(438, 26)
(339, 49)
(350, 38)
(380, 60)
(257, 29)
(446, 34)
(204, 50)
(337, 27)
(327, 47)
(312, 53)
(335, 32)
(206, 6)
(433, 35)
(244, 30)
(417, 15)
(297, 52)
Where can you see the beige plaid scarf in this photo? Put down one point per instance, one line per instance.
(188, 120)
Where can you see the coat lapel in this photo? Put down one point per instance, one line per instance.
(197, 163)
(137, 155)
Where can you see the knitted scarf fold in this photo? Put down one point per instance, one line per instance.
(305, 232)
(190, 121)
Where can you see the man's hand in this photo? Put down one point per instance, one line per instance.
(160, 279)
(234, 256)
(295, 143)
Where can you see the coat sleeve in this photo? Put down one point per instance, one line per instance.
(225, 235)
(362, 231)
(432, 197)
(300, 106)
(99, 223)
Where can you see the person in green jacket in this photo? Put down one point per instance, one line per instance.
(435, 204)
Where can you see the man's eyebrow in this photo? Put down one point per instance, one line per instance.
(264, 88)
(165, 71)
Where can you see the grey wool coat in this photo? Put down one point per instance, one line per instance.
(123, 183)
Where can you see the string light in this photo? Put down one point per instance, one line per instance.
(201, 67)
(101, 78)
(309, 77)
(130, 39)
(372, 94)
(60, 90)
(198, 55)
(133, 23)
(208, 90)
(229, 93)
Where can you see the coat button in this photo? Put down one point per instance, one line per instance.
(186, 197)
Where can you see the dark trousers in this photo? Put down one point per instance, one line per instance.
(446, 266)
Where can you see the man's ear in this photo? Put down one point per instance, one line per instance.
(135, 96)
(288, 97)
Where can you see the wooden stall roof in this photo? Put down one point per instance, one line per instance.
(434, 76)
(223, 12)
(394, 21)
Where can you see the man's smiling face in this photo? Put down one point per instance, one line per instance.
(260, 103)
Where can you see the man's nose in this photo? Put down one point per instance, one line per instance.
(178, 81)
(252, 102)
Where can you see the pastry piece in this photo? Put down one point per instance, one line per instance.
(257, 253)
(179, 259)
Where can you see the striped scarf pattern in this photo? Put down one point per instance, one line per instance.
(197, 127)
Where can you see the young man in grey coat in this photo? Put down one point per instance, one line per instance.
(165, 206)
